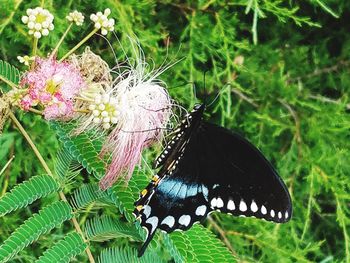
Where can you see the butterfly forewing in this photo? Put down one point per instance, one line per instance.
(216, 170)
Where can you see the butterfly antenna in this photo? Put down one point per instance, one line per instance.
(205, 88)
(218, 94)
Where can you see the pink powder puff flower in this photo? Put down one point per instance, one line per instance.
(26, 102)
(59, 108)
(143, 110)
(53, 84)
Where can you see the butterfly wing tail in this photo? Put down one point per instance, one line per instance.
(146, 243)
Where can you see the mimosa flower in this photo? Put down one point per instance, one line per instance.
(102, 22)
(39, 21)
(52, 84)
(76, 17)
(26, 60)
(143, 109)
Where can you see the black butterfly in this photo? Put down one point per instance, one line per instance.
(205, 168)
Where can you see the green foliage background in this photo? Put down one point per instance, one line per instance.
(281, 73)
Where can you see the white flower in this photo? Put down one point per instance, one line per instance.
(76, 17)
(102, 22)
(39, 21)
(104, 110)
(25, 59)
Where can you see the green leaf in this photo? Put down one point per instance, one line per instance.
(47, 219)
(66, 167)
(27, 192)
(125, 196)
(64, 250)
(89, 193)
(127, 255)
(81, 147)
(197, 245)
(106, 227)
(8, 72)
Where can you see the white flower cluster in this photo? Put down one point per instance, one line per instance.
(76, 17)
(104, 110)
(25, 59)
(39, 21)
(102, 22)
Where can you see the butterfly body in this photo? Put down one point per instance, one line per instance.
(205, 168)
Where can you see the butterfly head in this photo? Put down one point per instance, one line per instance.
(199, 108)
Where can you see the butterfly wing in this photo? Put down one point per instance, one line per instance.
(217, 170)
(240, 179)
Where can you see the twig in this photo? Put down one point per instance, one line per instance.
(81, 111)
(328, 100)
(36, 111)
(244, 97)
(8, 20)
(49, 172)
(296, 121)
(222, 234)
(8, 171)
(10, 83)
(6, 165)
(317, 72)
(60, 41)
(79, 44)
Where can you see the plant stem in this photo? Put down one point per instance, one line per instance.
(35, 46)
(49, 172)
(61, 40)
(84, 99)
(10, 83)
(82, 111)
(36, 111)
(6, 165)
(79, 44)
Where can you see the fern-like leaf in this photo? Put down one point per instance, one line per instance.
(197, 245)
(126, 196)
(66, 167)
(127, 255)
(89, 193)
(105, 228)
(81, 147)
(9, 72)
(27, 192)
(64, 250)
(41, 223)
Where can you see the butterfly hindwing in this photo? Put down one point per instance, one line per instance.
(211, 168)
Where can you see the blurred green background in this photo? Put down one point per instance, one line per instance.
(281, 69)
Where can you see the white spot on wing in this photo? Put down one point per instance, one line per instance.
(147, 210)
(205, 192)
(169, 221)
(215, 186)
(243, 206)
(213, 202)
(279, 215)
(263, 210)
(219, 202)
(253, 207)
(231, 205)
(272, 213)
(152, 221)
(286, 215)
(185, 220)
(200, 211)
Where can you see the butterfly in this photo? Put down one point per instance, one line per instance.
(206, 168)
